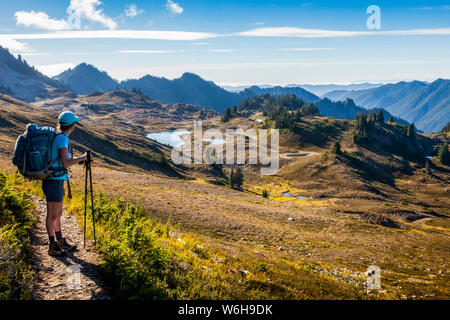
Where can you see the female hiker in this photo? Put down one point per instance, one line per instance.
(53, 187)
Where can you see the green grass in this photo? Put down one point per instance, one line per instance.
(16, 220)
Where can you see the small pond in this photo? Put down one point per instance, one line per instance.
(173, 138)
(170, 138)
(288, 194)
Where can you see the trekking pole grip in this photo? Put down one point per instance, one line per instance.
(88, 153)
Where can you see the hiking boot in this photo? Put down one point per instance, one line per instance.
(55, 250)
(65, 245)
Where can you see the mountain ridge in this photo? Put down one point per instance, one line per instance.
(425, 104)
(19, 79)
(86, 78)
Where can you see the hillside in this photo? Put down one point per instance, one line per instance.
(347, 109)
(427, 105)
(116, 145)
(19, 79)
(339, 110)
(372, 203)
(134, 110)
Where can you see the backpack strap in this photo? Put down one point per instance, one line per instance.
(61, 168)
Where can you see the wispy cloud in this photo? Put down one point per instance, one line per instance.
(320, 33)
(147, 51)
(429, 8)
(31, 54)
(220, 50)
(200, 43)
(132, 11)
(14, 45)
(306, 49)
(265, 65)
(173, 7)
(40, 20)
(54, 69)
(113, 34)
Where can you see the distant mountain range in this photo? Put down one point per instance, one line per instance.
(317, 89)
(322, 89)
(425, 104)
(188, 89)
(192, 89)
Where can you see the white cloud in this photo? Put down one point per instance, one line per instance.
(31, 54)
(320, 33)
(113, 34)
(40, 20)
(306, 49)
(296, 32)
(87, 9)
(173, 7)
(220, 50)
(132, 11)
(146, 51)
(77, 10)
(444, 7)
(200, 43)
(54, 69)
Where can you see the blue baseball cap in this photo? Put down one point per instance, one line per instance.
(67, 118)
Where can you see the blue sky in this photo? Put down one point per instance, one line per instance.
(234, 42)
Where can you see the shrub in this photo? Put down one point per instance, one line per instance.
(16, 220)
(261, 267)
(236, 178)
(336, 149)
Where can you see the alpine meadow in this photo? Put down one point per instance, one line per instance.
(201, 152)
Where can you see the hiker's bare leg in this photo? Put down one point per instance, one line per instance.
(59, 210)
(52, 215)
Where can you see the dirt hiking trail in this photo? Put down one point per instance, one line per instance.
(74, 277)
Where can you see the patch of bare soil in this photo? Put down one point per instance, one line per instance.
(74, 277)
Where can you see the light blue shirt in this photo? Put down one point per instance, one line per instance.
(61, 141)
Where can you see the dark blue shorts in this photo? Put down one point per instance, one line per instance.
(53, 190)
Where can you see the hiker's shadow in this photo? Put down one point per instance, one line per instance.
(89, 270)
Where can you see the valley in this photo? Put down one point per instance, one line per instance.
(356, 185)
(326, 216)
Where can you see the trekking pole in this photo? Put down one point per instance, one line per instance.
(69, 190)
(85, 200)
(92, 195)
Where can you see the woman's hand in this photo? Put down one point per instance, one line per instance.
(84, 157)
(91, 157)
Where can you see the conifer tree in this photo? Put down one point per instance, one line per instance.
(380, 116)
(411, 131)
(444, 154)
